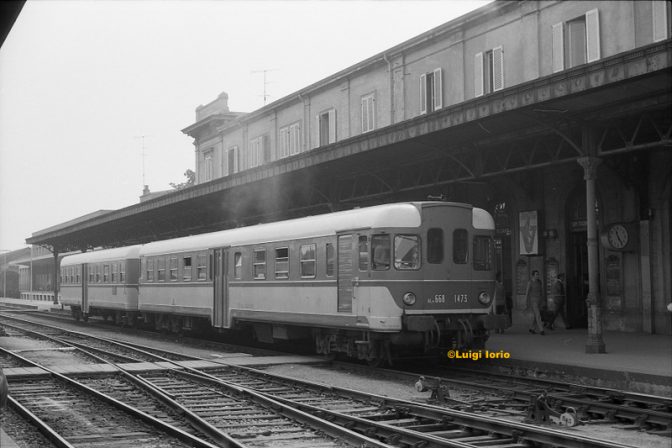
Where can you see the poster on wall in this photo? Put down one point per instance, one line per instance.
(529, 233)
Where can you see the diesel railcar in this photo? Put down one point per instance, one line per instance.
(365, 282)
(103, 282)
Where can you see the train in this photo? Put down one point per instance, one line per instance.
(367, 283)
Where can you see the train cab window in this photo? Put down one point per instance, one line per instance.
(202, 267)
(122, 271)
(259, 264)
(161, 269)
(435, 245)
(150, 270)
(186, 269)
(483, 253)
(460, 246)
(407, 252)
(307, 259)
(331, 260)
(238, 265)
(363, 253)
(380, 252)
(282, 262)
(173, 269)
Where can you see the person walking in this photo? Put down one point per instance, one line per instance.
(558, 292)
(534, 302)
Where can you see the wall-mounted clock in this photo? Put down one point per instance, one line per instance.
(616, 236)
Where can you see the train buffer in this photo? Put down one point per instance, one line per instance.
(539, 412)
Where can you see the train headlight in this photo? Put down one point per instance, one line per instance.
(409, 298)
(484, 298)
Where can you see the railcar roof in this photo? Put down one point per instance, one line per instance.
(388, 215)
(118, 253)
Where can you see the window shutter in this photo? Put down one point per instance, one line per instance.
(558, 47)
(592, 36)
(365, 115)
(372, 112)
(332, 126)
(283, 150)
(478, 74)
(317, 142)
(438, 89)
(423, 94)
(659, 20)
(497, 68)
(266, 145)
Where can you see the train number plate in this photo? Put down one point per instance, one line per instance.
(461, 298)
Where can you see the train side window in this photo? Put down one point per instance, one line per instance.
(115, 269)
(161, 269)
(122, 271)
(407, 252)
(98, 269)
(259, 264)
(79, 273)
(238, 265)
(173, 269)
(363, 253)
(308, 261)
(91, 274)
(282, 262)
(483, 253)
(435, 245)
(331, 260)
(380, 252)
(186, 269)
(202, 266)
(150, 270)
(460, 246)
(106, 273)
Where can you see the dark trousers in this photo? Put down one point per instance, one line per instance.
(559, 310)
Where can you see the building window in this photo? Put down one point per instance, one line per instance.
(233, 160)
(331, 260)
(576, 41)
(308, 261)
(326, 127)
(368, 113)
(435, 245)
(407, 252)
(260, 151)
(186, 269)
(380, 252)
(431, 91)
(660, 17)
(202, 266)
(208, 165)
(282, 262)
(259, 264)
(460, 248)
(290, 140)
(489, 71)
(237, 265)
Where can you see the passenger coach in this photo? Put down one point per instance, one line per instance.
(365, 282)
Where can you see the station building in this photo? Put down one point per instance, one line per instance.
(550, 87)
(552, 115)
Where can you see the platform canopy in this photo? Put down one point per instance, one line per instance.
(623, 102)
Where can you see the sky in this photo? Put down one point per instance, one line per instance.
(82, 81)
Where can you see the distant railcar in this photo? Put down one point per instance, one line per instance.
(103, 283)
(365, 282)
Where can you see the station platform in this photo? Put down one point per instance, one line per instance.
(637, 362)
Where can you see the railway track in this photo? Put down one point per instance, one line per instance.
(392, 421)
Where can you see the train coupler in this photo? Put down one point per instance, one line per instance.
(540, 412)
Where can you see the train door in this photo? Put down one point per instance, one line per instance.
(219, 281)
(85, 288)
(345, 273)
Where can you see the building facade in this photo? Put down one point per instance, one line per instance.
(542, 213)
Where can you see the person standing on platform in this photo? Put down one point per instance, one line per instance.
(500, 298)
(535, 302)
(558, 291)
